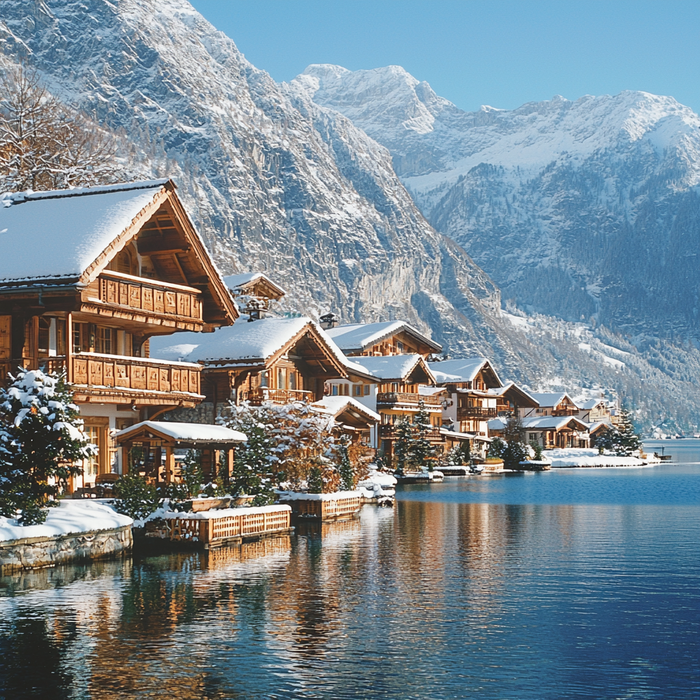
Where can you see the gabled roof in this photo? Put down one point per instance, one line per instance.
(553, 423)
(550, 400)
(60, 234)
(395, 368)
(357, 337)
(515, 394)
(462, 370)
(591, 403)
(254, 283)
(336, 406)
(188, 433)
(254, 343)
(66, 238)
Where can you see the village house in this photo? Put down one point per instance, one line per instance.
(549, 404)
(467, 405)
(381, 339)
(511, 398)
(88, 277)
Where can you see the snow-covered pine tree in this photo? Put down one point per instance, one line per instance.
(345, 469)
(41, 444)
(45, 144)
(402, 445)
(422, 451)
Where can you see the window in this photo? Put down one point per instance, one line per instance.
(292, 380)
(91, 465)
(44, 332)
(281, 379)
(357, 389)
(334, 390)
(105, 340)
(366, 389)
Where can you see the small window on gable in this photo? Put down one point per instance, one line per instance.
(366, 389)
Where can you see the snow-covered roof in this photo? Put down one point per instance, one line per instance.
(392, 367)
(550, 400)
(590, 404)
(430, 390)
(359, 336)
(512, 387)
(460, 370)
(496, 424)
(59, 234)
(552, 422)
(187, 432)
(335, 405)
(244, 340)
(242, 279)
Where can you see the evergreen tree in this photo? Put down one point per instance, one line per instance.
(191, 474)
(497, 448)
(403, 431)
(41, 444)
(421, 450)
(315, 479)
(345, 469)
(622, 440)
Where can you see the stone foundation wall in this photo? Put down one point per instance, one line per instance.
(38, 552)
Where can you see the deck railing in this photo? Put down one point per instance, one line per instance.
(388, 432)
(466, 412)
(153, 296)
(281, 396)
(217, 530)
(391, 397)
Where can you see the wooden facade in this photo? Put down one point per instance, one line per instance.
(154, 277)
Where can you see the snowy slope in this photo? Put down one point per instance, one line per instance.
(580, 209)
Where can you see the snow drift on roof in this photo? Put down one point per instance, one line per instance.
(464, 370)
(58, 234)
(390, 367)
(358, 336)
(552, 422)
(333, 405)
(549, 400)
(189, 432)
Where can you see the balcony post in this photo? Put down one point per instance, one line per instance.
(69, 347)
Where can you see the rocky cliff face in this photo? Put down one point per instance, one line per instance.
(585, 210)
(277, 180)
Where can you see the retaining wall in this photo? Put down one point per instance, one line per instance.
(38, 552)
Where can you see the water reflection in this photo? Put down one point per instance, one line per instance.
(435, 598)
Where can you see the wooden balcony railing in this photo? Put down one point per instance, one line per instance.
(390, 397)
(280, 396)
(143, 374)
(120, 372)
(388, 432)
(467, 412)
(153, 296)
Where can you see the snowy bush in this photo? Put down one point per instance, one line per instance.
(41, 444)
(135, 497)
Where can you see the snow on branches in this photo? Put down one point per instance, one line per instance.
(41, 440)
(46, 145)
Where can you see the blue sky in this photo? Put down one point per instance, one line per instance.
(498, 52)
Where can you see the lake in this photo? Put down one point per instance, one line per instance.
(564, 584)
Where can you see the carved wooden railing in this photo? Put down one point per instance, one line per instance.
(144, 374)
(153, 296)
(465, 412)
(388, 397)
(388, 432)
(281, 396)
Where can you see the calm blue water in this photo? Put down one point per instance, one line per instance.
(567, 584)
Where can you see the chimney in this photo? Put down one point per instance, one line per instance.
(254, 308)
(329, 320)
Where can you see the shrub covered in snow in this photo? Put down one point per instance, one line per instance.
(41, 444)
(621, 440)
(135, 497)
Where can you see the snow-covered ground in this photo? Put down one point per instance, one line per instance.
(587, 457)
(377, 484)
(71, 516)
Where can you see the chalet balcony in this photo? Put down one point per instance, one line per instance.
(280, 396)
(476, 412)
(388, 432)
(125, 379)
(388, 399)
(121, 293)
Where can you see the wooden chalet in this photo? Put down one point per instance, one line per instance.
(594, 411)
(400, 379)
(469, 405)
(352, 418)
(549, 431)
(550, 404)
(382, 339)
(254, 291)
(271, 359)
(510, 398)
(87, 278)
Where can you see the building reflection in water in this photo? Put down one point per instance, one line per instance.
(424, 580)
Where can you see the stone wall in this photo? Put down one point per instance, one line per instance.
(37, 552)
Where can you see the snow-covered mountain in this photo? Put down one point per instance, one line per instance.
(277, 182)
(585, 210)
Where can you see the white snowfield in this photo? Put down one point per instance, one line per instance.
(72, 516)
(589, 457)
